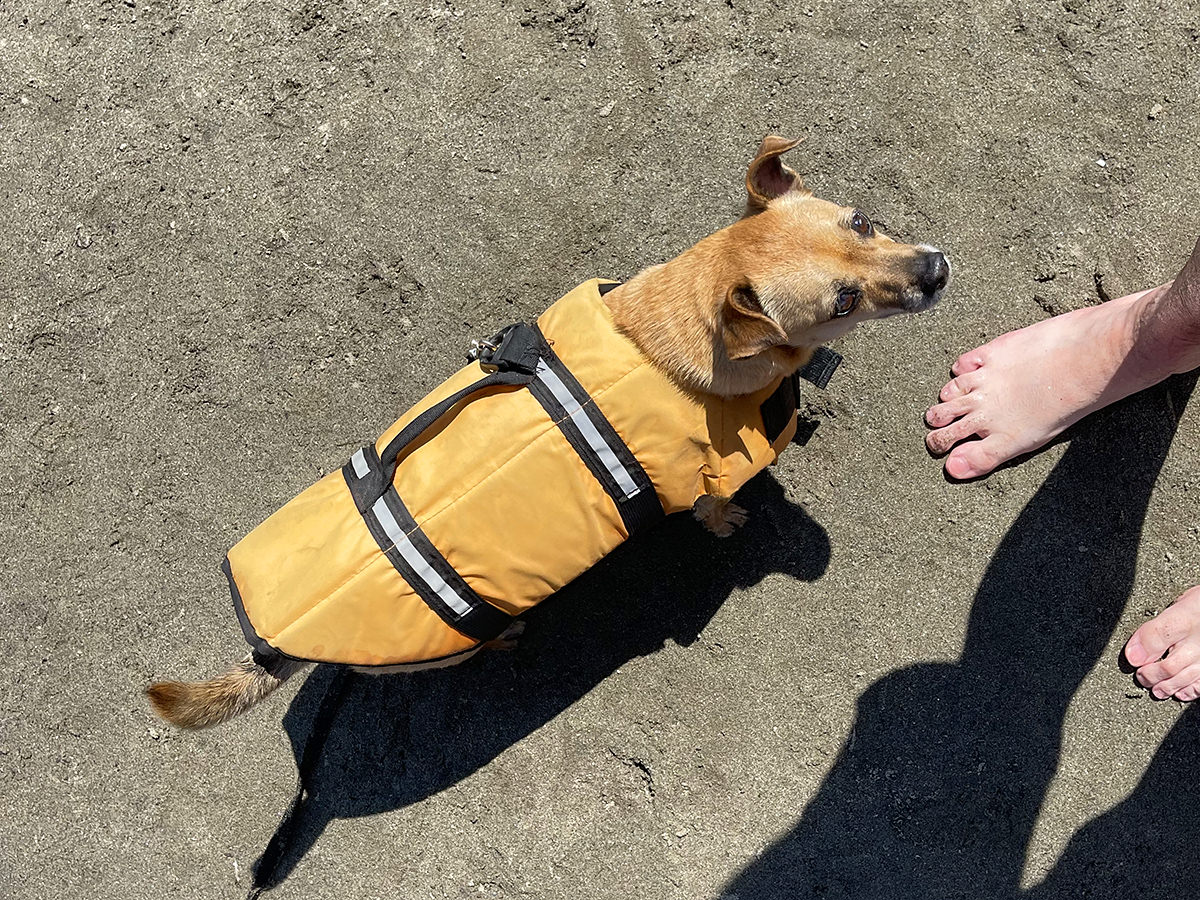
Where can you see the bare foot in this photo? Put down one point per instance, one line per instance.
(1026, 387)
(1176, 632)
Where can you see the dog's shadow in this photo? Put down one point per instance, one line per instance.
(399, 739)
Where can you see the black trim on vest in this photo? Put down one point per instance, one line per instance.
(264, 654)
(780, 408)
(605, 288)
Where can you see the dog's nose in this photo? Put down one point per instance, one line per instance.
(933, 272)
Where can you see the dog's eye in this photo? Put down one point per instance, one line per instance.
(860, 224)
(847, 302)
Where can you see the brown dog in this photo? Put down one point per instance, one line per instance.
(729, 317)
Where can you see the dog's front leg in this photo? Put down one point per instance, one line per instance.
(720, 515)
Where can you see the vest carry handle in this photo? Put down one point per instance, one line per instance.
(417, 426)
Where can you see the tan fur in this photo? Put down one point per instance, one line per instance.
(767, 177)
(791, 250)
(201, 704)
(729, 316)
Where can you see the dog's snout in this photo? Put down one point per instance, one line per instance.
(933, 271)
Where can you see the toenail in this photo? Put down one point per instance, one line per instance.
(959, 469)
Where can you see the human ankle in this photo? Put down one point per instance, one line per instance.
(1171, 326)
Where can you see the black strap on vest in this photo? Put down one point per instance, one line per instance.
(369, 476)
(820, 368)
(411, 552)
(779, 409)
(417, 426)
(596, 441)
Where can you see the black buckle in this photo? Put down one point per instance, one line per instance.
(517, 347)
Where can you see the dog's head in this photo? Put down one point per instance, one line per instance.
(807, 271)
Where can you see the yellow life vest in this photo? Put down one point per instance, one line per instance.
(514, 476)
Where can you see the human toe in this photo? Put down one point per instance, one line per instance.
(1188, 677)
(973, 460)
(944, 413)
(1137, 654)
(959, 386)
(968, 362)
(1169, 667)
(940, 440)
(1189, 693)
(1168, 628)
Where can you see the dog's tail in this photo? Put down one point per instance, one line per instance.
(199, 704)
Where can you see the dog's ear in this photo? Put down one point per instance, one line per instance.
(767, 177)
(745, 328)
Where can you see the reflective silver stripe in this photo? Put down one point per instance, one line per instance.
(547, 377)
(420, 567)
(359, 459)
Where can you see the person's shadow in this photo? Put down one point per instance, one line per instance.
(938, 789)
(399, 739)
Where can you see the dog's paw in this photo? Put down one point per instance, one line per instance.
(507, 639)
(720, 516)
(735, 516)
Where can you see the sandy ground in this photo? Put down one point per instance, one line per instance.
(238, 240)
